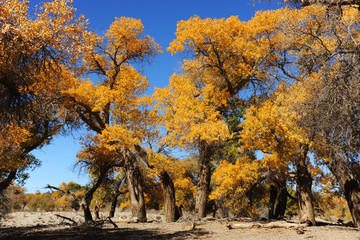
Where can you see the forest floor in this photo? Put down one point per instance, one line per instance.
(46, 225)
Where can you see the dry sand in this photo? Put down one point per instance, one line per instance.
(46, 225)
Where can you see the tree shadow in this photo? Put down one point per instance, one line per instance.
(77, 233)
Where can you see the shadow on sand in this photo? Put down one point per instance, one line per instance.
(77, 233)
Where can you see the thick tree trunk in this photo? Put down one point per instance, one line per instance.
(349, 184)
(135, 186)
(281, 201)
(272, 201)
(203, 179)
(303, 187)
(169, 197)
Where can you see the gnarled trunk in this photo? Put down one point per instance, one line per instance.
(169, 197)
(303, 187)
(349, 184)
(203, 179)
(135, 186)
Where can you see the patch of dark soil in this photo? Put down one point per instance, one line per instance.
(77, 233)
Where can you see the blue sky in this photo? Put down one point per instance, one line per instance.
(159, 18)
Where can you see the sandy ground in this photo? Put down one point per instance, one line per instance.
(46, 225)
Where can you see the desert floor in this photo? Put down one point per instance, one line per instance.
(46, 225)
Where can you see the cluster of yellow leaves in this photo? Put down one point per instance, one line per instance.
(123, 95)
(235, 178)
(124, 38)
(95, 152)
(11, 150)
(185, 188)
(116, 100)
(185, 191)
(55, 25)
(189, 114)
(229, 51)
(160, 163)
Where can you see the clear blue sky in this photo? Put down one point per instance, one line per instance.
(159, 18)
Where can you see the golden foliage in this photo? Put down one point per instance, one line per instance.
(235, 179)
(189, 114)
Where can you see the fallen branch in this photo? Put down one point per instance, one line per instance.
(243, 225)
(66, 218)
(109, 219)
(284, 224)
(281, 224)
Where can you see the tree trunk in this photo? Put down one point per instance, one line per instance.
(134, 181)
(169, 197)
(85, 203)
(349, 184)
(114, 200)
(203, 179)
(272, 201)
(303, 187)
(97, 212)
(281, 201)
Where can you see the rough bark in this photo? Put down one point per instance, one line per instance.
(135, 186)
(349, 184)
(169, 197)
(203, 179)
(303, 187)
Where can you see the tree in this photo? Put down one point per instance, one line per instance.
(319, 51)
(227, 56)
(113, 108)
(272, 129)
(189, 117)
